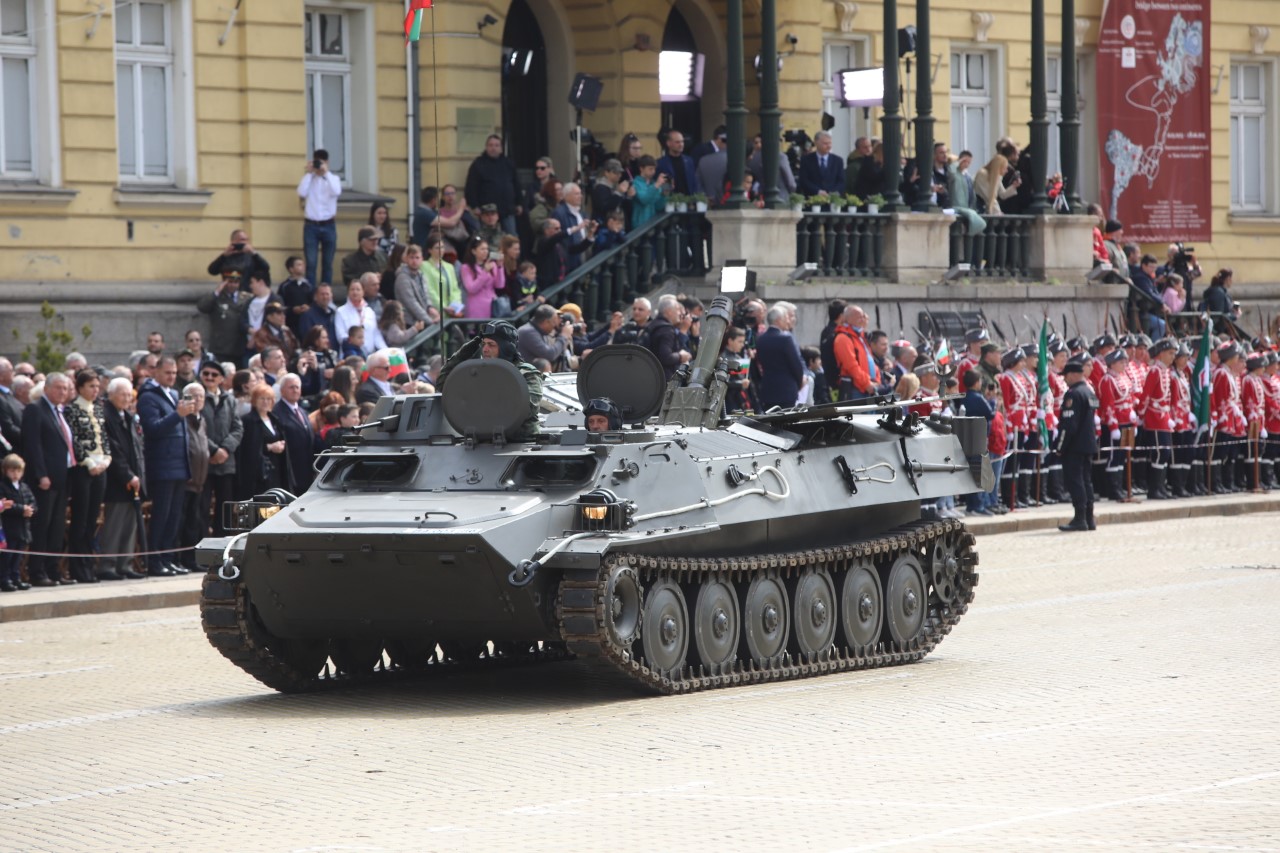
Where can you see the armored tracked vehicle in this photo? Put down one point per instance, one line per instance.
(684, 550)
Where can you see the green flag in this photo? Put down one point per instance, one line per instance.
(1202, 380)
(1044, 400)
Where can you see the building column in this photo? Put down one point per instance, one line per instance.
(891, 120)
(770, 115)
(735, 114)
(1069, 128)
(1039, 123)
(924, 110)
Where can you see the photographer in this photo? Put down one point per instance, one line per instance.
(320, 189)
(549, 335)
(240, 260)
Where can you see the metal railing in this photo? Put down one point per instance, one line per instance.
(842, 244)
(668, 244)
(1002, 250)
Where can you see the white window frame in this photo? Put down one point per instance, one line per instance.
(1262, 110)
(359, 89)
(42, 72)
(176, 58)
(850, 123)
(991, 98)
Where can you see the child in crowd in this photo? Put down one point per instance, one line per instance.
(525, 289)
(296, 292)
(613, 233)
(997, 445)
(354, 344)
(17, 506)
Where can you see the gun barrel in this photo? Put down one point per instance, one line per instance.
(714, 324)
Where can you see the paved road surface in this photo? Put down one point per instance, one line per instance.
(1110, 691)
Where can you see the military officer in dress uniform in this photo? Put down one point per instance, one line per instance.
(1155, 409)
(1253, 399)
(1077, 444)
(1115, 408)
(1228, 426)
(1186, 475)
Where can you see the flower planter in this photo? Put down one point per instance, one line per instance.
(671, 208)
(682, 208)
(702, 207)
(815, 208)
(873, 208)
(798, 208)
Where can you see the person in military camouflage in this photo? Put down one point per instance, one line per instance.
(499, 340)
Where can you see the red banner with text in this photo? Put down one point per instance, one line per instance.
(1153, 118)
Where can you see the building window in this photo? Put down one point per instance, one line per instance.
(851, 122)
(328, 71)
(971, 105)
(144, 90)
(1249, 136)
(17, 92)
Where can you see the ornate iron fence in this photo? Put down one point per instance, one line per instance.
(1002, 250)
(842, 244)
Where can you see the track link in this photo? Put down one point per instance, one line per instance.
(584, 602)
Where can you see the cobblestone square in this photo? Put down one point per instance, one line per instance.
(1112, 691)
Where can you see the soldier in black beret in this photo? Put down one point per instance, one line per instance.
(1077, 445)
(498, 339)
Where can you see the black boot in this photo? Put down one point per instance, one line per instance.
(1115, 479)
(1077, 522)
(1178, 481)
(1217, 479)
(1196, 485)
(1026, 499)
(1245, 479)
(1156, 476)
(1056, 488)
(1089, 520)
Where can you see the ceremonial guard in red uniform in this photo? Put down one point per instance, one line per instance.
(1182, 480)
(1155, 409)
(1228, 426)
(1032, 465)
(1115, 408)
(1253, 399)
(973, 339)
(1019, 408)
(1103, 346)
(1135, 347)
(1272, 444)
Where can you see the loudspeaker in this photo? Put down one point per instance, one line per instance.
(906, 40)
(585, 93)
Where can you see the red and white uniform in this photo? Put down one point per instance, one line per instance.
(1181, 406)
(1115, 402)
(967, 362)
(1096, 372)
(1273, 404)
(1253, 399)
(1019, 402)
(1057, 390)
(1155, 405)
(1224, 403)
(1137, 373)
(934, 407)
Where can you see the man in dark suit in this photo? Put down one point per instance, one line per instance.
(821, 172)
(378, 384)
(778, 357)
(50, 454)
(575, 224)
(10, 406)
(164, 426)
(126, 477)
(716, 143)
(678, 165)
(300, 440)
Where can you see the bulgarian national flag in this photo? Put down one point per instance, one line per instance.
(942, 357)
(399, 363)
(1201, 379)
(413, 20)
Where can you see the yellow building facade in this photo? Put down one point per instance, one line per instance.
(137, 134)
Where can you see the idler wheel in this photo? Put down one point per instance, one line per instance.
(664, 636)
(861, 605)
(945, 565)
(622, 603)
(355, 656)
(906, 604)
(765, 619)
(813, 600)
(716, 625)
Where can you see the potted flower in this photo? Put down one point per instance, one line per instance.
(671, 202)
(816, 202)
(797, 202)
(837, 202)
(681, 202)
(700, 202)
(874, 202)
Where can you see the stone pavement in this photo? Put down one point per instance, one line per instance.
(153, 593)
(1106, 691)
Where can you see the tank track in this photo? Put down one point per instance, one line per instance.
(585, 600)
(226, 613)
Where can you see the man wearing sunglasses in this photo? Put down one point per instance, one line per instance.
(498, 339)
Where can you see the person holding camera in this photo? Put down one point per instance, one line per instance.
(239, 260)
(548, 334)
(319, 189)
(163, 414)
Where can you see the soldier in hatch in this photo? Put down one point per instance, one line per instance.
(602, 415)
(498, 339)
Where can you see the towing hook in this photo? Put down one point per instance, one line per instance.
(523, 574)
(229, 571)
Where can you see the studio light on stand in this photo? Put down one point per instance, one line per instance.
(860, 87)
(736, 278)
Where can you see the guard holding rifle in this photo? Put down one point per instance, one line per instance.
(1115, 408)
(1155, 408)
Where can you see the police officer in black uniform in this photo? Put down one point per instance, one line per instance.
(1077, 444)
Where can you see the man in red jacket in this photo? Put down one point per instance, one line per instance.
(859, 374)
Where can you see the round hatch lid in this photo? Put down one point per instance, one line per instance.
(629, 375)
(485, 397)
